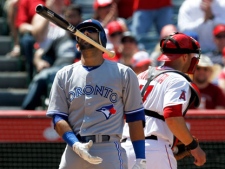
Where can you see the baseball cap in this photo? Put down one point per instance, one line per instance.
(218, 29)
(101, 3)
(128, 34)
(140, 58)
(114, 27)
(205, 61)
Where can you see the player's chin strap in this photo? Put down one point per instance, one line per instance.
(195, 94)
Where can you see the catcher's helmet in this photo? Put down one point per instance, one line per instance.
(177, 44)
(96, 24)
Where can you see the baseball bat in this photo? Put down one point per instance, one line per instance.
(61, 22)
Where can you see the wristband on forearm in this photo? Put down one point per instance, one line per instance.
(139, 148)
(193, 145)
(70, 138)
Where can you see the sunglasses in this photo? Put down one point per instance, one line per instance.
(220, 36)
(203, 68)
(128, 40)
(116, 34)
(89, 29)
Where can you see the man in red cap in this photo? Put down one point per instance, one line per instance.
(219, 40)
(114, 31)
(167, 93)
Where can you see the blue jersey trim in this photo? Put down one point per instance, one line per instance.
(138, 115)
(139, 148)
(134, 111)
(88, 68)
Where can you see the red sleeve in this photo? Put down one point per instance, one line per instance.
(172, 111)
(151, 5)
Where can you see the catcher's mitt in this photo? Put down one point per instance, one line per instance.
(180, 151)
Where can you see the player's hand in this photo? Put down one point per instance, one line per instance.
(140, 164)
(82, 150)
(199, 155)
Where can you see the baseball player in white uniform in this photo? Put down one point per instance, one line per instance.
(167, 93)
(88, 102)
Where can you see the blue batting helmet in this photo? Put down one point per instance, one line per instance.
(96, 24)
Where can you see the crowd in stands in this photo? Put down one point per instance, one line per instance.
(47, 48)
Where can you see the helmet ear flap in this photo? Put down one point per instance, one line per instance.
(193, 64)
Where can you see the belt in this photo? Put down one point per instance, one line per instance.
(94, 138)
(152, 137)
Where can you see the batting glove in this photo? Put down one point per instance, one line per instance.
(82, 150)
(140, 164)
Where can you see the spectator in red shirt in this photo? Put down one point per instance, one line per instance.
(26, 12)
(125, 8)
(212, 96)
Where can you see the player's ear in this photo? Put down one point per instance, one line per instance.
(78, 47)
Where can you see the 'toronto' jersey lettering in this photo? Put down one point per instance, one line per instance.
(93, 90)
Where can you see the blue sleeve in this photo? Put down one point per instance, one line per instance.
(58, 117)
(139, 115)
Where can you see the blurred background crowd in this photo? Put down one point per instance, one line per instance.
(134, 29)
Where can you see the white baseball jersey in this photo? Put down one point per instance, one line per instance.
(95, 101)
(167, 89)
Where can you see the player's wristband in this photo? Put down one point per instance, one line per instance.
(70, 138)
(193, 145)
(139, 148)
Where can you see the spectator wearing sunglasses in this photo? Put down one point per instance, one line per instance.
(219, 40)
(212, 96)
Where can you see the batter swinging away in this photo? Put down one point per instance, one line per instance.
(88, 102)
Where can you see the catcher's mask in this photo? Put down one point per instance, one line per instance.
(177, 44)
(91, 24)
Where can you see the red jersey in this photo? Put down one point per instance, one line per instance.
(125, 8)
(212, 96)
(26, 10)
(151, 4)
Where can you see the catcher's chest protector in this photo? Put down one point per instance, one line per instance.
(195, 94)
